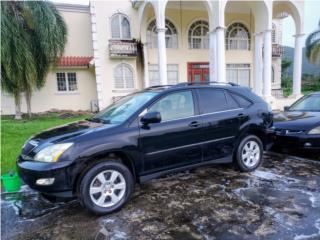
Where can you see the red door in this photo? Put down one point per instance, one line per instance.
(198, 72)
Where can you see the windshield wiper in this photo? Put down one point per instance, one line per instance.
(98, 120)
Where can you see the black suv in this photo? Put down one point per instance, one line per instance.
(159, 130)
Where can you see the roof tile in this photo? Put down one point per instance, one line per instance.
(74, 61)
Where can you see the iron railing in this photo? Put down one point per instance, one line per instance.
(123, 48)
(277, 50)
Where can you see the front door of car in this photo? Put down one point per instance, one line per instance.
(220, 122)
(176, 140)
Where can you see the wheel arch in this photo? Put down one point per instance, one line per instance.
(255, 130)
(112, 155)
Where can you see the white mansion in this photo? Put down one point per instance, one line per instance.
(118, 47)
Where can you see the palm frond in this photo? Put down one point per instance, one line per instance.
(34, 35)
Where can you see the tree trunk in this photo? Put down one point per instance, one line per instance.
(17, 101)
(28, 101)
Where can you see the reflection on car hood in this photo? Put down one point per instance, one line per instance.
(67, 131)
(296, 120)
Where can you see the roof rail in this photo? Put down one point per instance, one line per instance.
(159, 86)
(204, 83)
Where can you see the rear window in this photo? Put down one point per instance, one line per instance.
(212, 100)
(244, 103)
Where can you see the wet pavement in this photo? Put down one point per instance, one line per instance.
(280, 200)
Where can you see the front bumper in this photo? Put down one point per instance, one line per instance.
(296, 141)
(31, 171)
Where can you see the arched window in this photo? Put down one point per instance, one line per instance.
(120, 27)
(198, 35)
(274, 33)
(237, 37)
(171, 35)
(123, 77)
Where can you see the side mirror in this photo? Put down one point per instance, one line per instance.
(286, 108)
(151, 117)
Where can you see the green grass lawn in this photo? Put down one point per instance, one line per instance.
(15, 132)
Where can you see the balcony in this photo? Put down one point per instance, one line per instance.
(123, 48)
(277, 50)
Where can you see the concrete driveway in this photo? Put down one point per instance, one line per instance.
(281, 200)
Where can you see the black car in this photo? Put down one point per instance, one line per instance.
(298, 127)
(144, 135)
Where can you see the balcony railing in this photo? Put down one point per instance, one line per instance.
(277, 93)
(123, 48)
(277, 50)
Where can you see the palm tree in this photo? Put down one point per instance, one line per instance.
(313, 46)
(34, 35)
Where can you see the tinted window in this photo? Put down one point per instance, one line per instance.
(309, 103)
(233, 104)
(241, 100)
(174, 106)
(212, 100)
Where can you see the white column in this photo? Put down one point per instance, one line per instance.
(162, 55)
(217, 62)
(212, 56)
(101, 97)
(297, 65)
(221, 62)
(146, 65)
(258, 63)
(267, 60)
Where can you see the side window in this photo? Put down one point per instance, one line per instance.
(212, 100)
(233, 104)
(241, 100)
(174, 106)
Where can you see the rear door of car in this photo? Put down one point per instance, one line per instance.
(220, 116)
(176, 140)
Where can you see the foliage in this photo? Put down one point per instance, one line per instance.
(15, 133)
(310, 83)
(286, 81)
(313, 46)
(35, 36)
(285, 64)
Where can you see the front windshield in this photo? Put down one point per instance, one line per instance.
(310, 103)
(121, 110)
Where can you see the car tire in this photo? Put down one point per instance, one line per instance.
(106, 187)
(249, 153)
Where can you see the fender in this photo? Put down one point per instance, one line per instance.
(127, 148)
(255, 129)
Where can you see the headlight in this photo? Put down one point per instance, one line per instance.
(52, 153)
(315, 130)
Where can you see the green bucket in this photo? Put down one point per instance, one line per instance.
(11, 182)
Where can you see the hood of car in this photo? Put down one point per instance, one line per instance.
(62, 133)
(296, 120)
(67, 131)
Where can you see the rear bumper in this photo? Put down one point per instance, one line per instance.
(31, 171)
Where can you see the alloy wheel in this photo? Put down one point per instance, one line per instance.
(107, 188)
(251, 154)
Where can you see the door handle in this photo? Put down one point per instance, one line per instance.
(194, 124)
